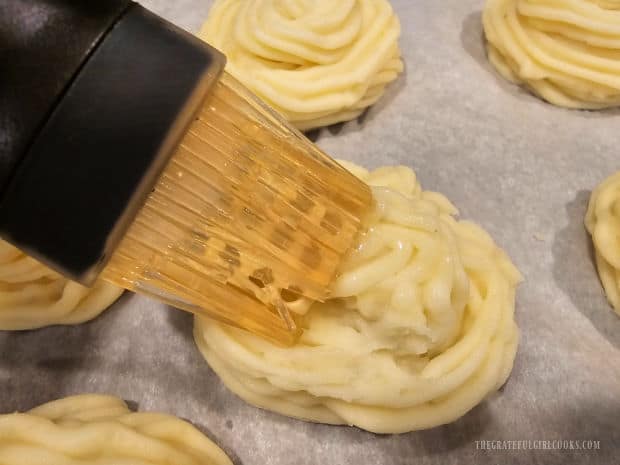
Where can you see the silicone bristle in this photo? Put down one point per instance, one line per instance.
(246, 209)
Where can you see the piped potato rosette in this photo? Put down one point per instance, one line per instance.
(419, 328)
(317, 62)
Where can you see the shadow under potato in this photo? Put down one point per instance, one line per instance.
(181, 321)
(43, 363)
(227, 448)
(462, 433)
(474, 43)
(574, 271)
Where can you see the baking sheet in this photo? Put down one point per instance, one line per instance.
(519, 167)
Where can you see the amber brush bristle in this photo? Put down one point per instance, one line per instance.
(247, 213)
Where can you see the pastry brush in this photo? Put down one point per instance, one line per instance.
(127, 153)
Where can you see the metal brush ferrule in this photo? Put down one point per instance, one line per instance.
(89, 132)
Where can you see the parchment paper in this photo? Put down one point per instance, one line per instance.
(520, 167)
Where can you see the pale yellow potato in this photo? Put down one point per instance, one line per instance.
(32, 295)
(101, 430)
(603, 223)
(565, 51)
(419, 330)
(317, 63)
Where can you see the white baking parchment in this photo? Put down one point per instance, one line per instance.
(521, 168)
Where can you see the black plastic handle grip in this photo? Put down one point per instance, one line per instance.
(43, 43)
(99, 124)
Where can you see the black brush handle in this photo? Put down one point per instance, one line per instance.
(43, 43)
(96, 97)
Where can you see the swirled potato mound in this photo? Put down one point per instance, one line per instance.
(101, 430)
(603, 223)
(565, 51)
(418, 330)
(317, 63)
(32, 295)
